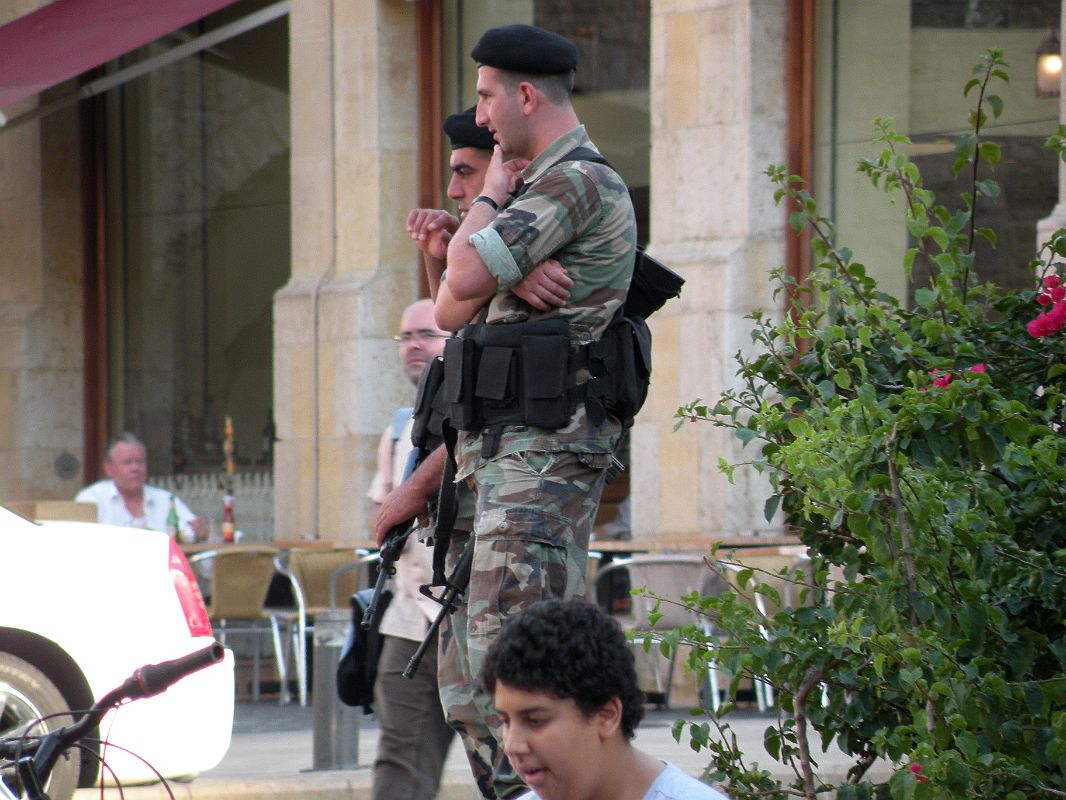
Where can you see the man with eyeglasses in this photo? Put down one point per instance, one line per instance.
(415, 736)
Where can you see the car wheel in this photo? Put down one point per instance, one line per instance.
(26, 696)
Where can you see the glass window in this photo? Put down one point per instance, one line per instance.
(872, 60)
(197, 209)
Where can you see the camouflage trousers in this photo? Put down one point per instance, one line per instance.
(533, 519)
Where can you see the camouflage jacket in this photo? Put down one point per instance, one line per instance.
(580, 213)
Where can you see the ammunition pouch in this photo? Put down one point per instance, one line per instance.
(620, 366)
(429, 412)
(513, 374)
(527, 374)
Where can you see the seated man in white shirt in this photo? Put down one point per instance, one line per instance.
(124, 498)
(563, 680)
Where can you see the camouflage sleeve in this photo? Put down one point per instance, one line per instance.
(558, 208)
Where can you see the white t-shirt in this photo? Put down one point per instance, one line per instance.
(111, 508)
(671, 784)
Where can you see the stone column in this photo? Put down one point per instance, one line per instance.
(354, 159)
(717, 121)
(40, 301)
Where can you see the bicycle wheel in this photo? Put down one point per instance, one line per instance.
(27, 695)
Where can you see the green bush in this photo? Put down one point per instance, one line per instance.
(919, 454)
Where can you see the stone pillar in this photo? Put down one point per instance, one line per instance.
(1057, 218)
(40, 302)
(717, 121)
(354, 172)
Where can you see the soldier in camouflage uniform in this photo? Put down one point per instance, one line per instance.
(471, 151)
(538, 490)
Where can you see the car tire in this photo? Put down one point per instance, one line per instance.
(27, 694)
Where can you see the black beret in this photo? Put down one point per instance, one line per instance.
(523, 48)
(463, 131)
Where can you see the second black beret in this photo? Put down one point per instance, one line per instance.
(525, 48)
(463, 131)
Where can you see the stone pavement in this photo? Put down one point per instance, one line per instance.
(271, 757)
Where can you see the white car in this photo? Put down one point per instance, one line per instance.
(81, 607)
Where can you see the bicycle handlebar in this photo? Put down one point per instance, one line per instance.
(153, 679)
(146, 681)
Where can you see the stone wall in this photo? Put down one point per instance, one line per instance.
(40, 306)
(354, 170)
(718, 120)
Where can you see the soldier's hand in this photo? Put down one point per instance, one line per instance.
(501, 178)
(546, 286)
(398, 506)
(432, 229)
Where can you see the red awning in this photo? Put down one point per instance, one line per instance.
(67, 37)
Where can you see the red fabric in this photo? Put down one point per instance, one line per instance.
(67, 37)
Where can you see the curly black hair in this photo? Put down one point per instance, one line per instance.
(570, 650)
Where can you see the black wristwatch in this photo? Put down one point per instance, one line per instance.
(484, 198)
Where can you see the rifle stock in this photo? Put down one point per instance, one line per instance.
(449, 599)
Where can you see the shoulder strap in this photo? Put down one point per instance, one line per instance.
(399, 419)
(580, 153)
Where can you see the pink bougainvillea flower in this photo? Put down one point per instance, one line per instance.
(1058, 293)
(940, 381)
(1049, 322)
(916, 768)
(978, 368)
(1051, 281)
(1044, 299)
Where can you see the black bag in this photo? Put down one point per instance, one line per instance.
(653, 284)
(358, 666)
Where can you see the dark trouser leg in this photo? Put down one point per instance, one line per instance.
(414, 734)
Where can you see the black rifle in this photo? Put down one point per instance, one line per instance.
(449, 600)
(391, 550)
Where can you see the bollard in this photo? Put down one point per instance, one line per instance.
(335, 742)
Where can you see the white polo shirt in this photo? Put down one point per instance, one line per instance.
(111, 508)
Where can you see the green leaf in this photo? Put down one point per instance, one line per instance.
(967, 744)
(925, 297)
(770, 507)
(996, 102)
(957, 777)
(746, 434)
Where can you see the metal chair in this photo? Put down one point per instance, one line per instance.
(317, 576)
(239, 578)
(671, 576)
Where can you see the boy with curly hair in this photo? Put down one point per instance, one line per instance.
(563, 680)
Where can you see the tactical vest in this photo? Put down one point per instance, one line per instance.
(535, 374)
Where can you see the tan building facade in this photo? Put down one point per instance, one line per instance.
(726, 87)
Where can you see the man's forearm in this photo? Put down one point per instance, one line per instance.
(425, 480)
(409, 498)
(434, 269)
(468, 276)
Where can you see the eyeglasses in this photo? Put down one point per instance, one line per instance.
(423, 336)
